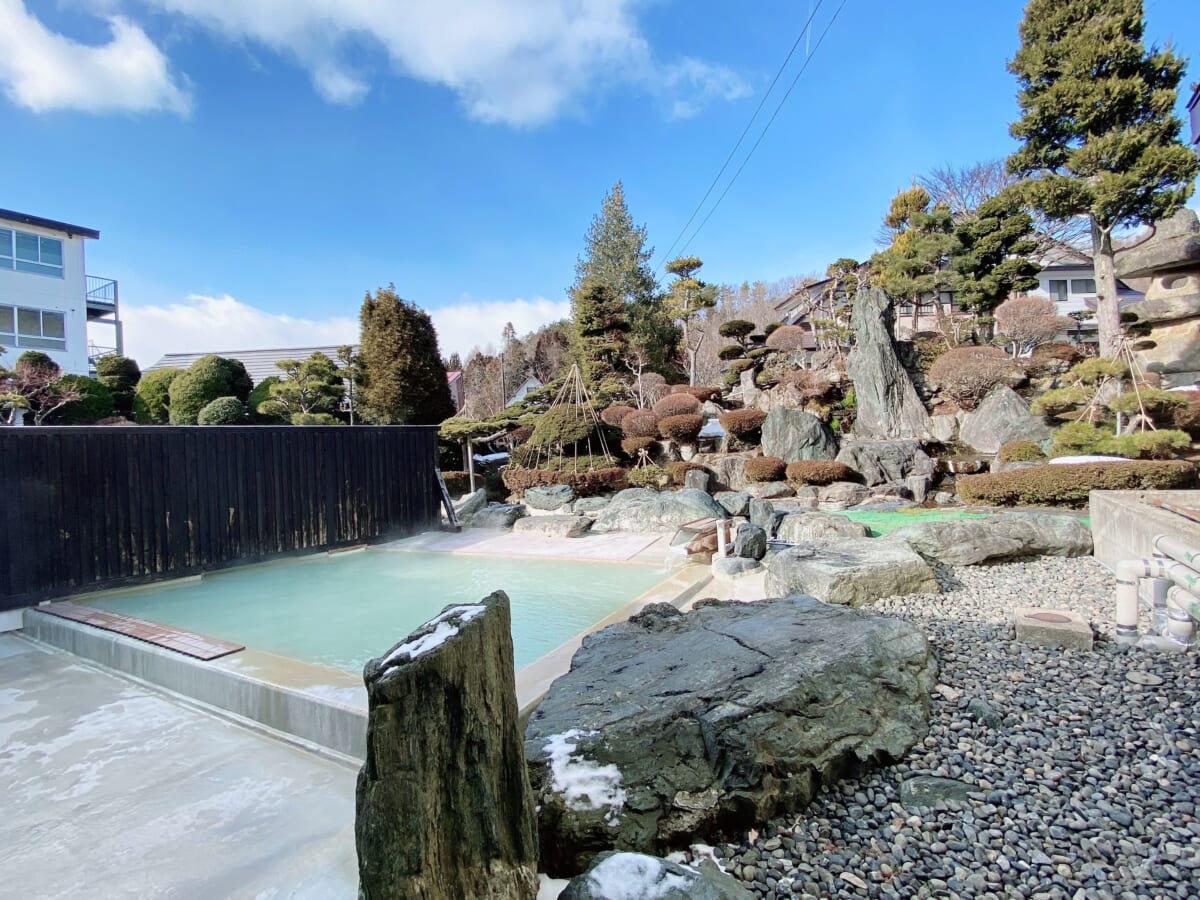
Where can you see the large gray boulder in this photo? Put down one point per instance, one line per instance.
(841, 495)
(554, 525)
(728, 469)
(750, 542)
(638, 509)
(673, 725)
(885, 462)
(793, 434)
(888, 404)
(967, 542)
(769, 490)
(497, 516)
(850, 571)
(472, 503)
(635, 876)
(443, 803)
(799, 527)
(1002, 417)
(549, 498)
(736, 503)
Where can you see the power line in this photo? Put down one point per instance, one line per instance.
(820, 40)
(745, 131)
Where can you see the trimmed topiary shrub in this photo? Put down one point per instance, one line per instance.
(1068, 485)
(152, 401)
(758, 353)
(701, 392)
(643, 423)
(635, 445)
(207, 379)
(743, 424)
(966, 374)
(676, 405)
(614, 415)
(309, 418)
(95, 402)
(1084, 438)
(223, 411)
(786, 337)
(120, 375)
(733, 351)
(651, 476)
(457, 483)
(765, 468)
(678, 470)
(562, 426)
(819, 472)
(738, 329)
(771, 327)
(681, 429)
(1020, 451)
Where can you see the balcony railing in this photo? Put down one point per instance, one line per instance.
(101, 291)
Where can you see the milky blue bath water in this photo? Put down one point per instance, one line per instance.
(343, 609)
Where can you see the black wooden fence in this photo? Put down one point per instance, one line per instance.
(87, 508)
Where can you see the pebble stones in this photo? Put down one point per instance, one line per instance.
(1081, 768)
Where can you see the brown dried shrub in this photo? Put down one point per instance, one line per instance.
(585, 484)
(614, 415)
(643, 423)
(520, 434)
(743, 424)
(966, 374)
(681, 429)
(819, 472)
(700, 392)
(787, 337)
(676, 405)
(678, 470)
(811, 385)
(765, 468)
(457, 483)
(635, 445)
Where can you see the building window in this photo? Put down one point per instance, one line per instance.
(1058, 290)
(1083, 285)
(27, 252)
(35, 329)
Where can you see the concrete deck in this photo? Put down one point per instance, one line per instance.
(114, 790)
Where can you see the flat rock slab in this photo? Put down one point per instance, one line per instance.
(1052, 628)
(625, 876)
(850, 571)
(928, 790)
(968, 542)
(676, 725)
(554, 526)
(549, 497)
(639, 509)
(497, 516)
(798, 527)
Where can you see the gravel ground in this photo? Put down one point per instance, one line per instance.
(1082, 783)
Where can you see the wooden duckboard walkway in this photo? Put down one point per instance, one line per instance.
(189, 643)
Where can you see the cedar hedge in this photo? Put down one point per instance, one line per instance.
(681, 429)
(1068, 485)
(765, 468)
(585, 484)
(819, 472)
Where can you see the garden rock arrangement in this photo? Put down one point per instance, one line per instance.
(641, 509)
(850, 571)
(1074, 774)
(1002, 417)
(793, 434)
(443, 803)
(798, 527)
(554, 525)
(967, 542)
(671, 724)
(624, 876)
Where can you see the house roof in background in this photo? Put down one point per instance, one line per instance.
(9, 215)
(260, 364)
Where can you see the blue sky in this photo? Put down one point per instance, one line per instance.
(254, 166)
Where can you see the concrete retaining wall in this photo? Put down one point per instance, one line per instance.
(1124, 523)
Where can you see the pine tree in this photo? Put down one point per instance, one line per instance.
(687, 296)
(615, 254)
(404, 378)
(916, 267)
(997, 240)
(1100, 137)
(599, 322)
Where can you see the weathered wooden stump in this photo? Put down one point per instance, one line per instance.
(443, 802)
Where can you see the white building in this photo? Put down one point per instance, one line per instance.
(47, 298)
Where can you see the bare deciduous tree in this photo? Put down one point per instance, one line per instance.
(1026, 322)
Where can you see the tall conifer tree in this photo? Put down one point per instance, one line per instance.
(1098, 126)
(404, 377)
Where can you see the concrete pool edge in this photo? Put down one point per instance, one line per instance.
(284, 695)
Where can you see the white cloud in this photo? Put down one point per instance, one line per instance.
(223, 323)
(520, 63)
(469, 323)
(44, 71)
(203, 323)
